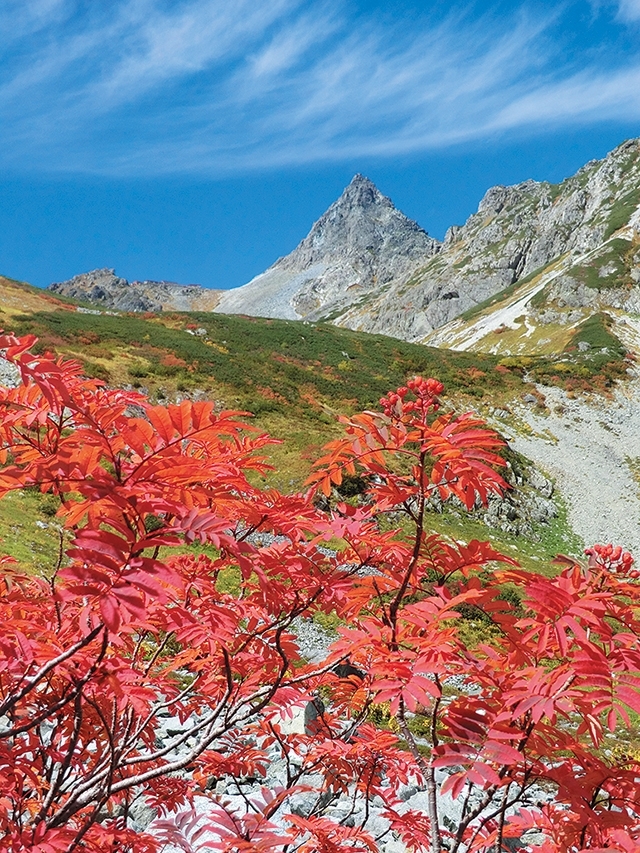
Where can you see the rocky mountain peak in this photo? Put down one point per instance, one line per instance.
(362, 224)
(97, 286)
(362, 192)
(358, 246)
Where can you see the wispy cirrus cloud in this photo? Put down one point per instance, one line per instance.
(629, 10)
(19, 18)
(199, 86)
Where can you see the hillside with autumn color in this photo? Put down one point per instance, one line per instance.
(294, 379)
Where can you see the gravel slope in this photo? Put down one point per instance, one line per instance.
(586, 447)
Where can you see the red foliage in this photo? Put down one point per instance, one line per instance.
(131, 631)
(171, 360)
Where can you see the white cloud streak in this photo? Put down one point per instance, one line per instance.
(141, 87)
(20, 18)
(629, 10)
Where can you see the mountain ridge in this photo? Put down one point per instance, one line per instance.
(366, 266)
(103, 287)
(516, 231)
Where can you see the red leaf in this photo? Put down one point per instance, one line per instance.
(110, 613)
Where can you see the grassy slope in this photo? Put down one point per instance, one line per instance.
(264, 365)
(16, 297)
(295, 378)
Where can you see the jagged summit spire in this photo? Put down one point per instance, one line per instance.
(362, 192)
(361, 180)
(360, 244)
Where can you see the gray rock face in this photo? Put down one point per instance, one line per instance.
(516, 231)
(103, 287)
(358, 248)
(9, 374)
(520, 512)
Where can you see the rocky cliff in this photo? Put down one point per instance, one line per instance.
(103, 287)
(359, 248)
(516, 232)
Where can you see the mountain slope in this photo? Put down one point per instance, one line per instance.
(557, 253)
(517, 232)
(359, 247)
(540, 313)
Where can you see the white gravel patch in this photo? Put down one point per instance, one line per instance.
(9, 374)
(586, 448)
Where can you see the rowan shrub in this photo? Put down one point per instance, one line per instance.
(132, 627)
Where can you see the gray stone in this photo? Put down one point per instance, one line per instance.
(140, 814)
(540, 483)
(9, 374)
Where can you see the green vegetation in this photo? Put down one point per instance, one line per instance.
(621, 211)
(630, 162)
(295, 377)
(614, 262)
(596, 331)
(264, 366)
(595, 368)
(540, 299)
(29, 531)
(476, 310)
(556, 189)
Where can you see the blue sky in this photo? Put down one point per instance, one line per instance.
(197, 140)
